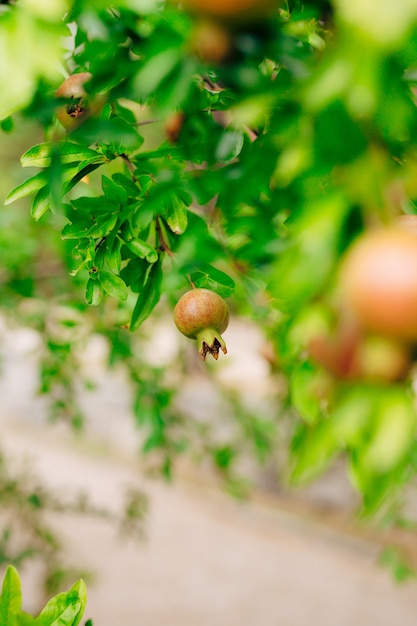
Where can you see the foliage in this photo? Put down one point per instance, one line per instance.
(65, 608)
(248, 171)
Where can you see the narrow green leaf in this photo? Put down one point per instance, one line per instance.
(113, 285)
(65, 609)
(142, 249)
(209, 277)
(148, 297)
(93, 292)
(70, 152)
(11, 597)
(177, 216)
(306, 387)
(79, 175)
(31, 185)
(114, 257)
(41, 203)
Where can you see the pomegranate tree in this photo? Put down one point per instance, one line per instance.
(203, 315)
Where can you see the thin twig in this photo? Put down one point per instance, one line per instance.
(129, 165)
(162, 243)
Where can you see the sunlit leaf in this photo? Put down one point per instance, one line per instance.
(209, 277)
(93, 292)
(11, 597)
(177, 216)
(148, 296)
(65, 609)
(113, 285)
(142, 249)
(69, 152)
(31, 185)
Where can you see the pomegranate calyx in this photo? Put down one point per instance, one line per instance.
(210, 341)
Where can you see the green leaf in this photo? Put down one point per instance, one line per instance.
(230, 145)
(395, 428)
(65, 609)
(142, 249)
(114, 257)
(148, 297)
(313, 453)
(177, 215)
(72, 178)
(76, 229)
(113, 285)
(113, 192)
(31, 185)
(11, 597)
(307, 384)
(134, 272)
(95, 205)
(209, 277)
(83, 226)
(93, 292)
(155, 70)
(41, 203)
(41, 154)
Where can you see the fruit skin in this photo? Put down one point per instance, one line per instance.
(349, 355)
(378, 282)
(232, 10)
(203, 315)
(78, 107)
(211, 41)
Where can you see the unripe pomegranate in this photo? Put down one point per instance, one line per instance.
(203, 315)
(378, 282)
(79, 107)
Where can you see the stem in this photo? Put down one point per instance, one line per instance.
(151, 121)
(162, 243)
(129, 166)
(188, 277)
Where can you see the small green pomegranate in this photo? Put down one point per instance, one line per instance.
(203, 315)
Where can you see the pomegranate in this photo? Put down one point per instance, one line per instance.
(211, 41)
(346, 355)
(78, 107)
(378, 282)
(234, 11)
(203, 315)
